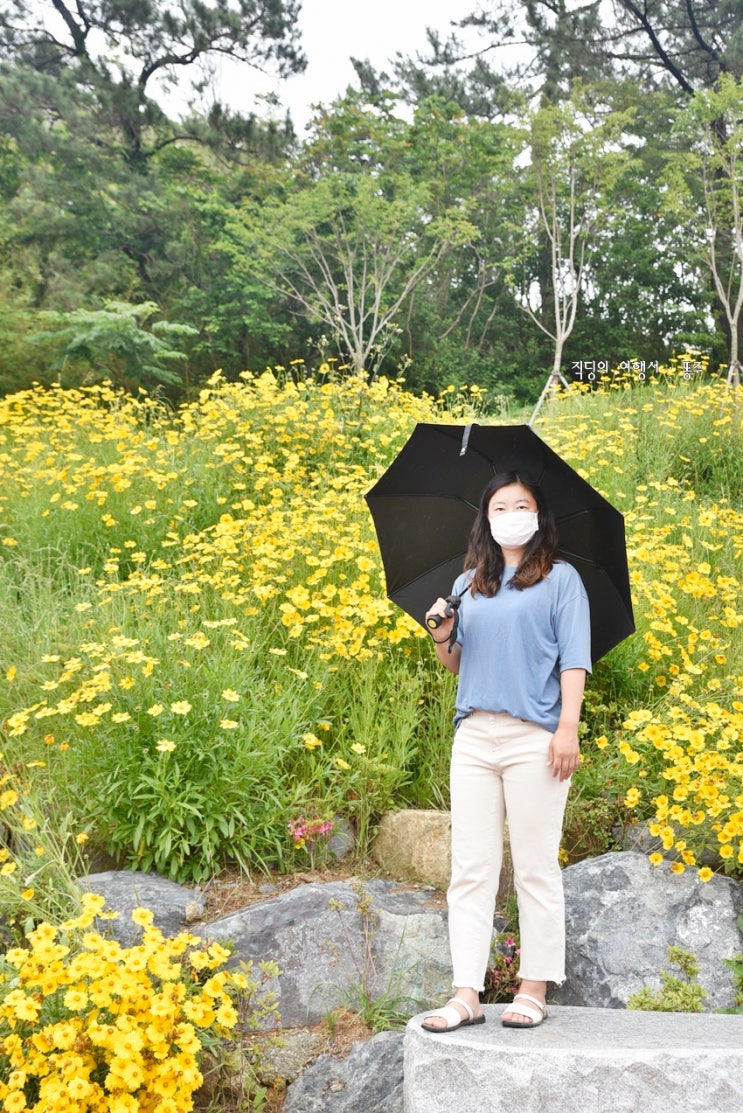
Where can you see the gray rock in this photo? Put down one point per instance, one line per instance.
(282, 1060)
(370, 1080)
(346, 943)
(410, 951)
(329, 953)
(587, 1060)
(638, 838)
(174, 907)
(622, 914)
(342, 841)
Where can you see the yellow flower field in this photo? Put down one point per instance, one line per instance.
(683, 737)
(191, 596)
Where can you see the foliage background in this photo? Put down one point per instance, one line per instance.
(446, 218)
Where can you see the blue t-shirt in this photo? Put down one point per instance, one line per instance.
(515, 645)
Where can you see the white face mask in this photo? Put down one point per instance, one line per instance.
(514, 527)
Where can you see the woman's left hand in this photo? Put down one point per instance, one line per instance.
(564, 753)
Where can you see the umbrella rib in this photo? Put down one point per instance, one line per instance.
(425, 495)
(483, 455)
(578, 556)
(468, 447)
(429, 572)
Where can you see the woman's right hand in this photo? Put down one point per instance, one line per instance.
(448, 654)
(443, 610)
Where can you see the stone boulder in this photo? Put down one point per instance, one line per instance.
(284, 1059)
(382, 939)
(622, 914)
(342, 842)
(342, 942)
(175, 907)
(586, 1060)
(369, 1080)
(339, 942)
(415, 845)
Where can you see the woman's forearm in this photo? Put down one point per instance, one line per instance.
(449, 660)
(572, 687)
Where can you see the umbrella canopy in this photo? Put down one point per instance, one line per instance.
(424, 506)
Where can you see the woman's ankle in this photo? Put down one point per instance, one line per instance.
(470, 996)
(533, 988)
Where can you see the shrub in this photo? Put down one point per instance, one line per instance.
(501, 981)
(678, 994)
(86, 1024)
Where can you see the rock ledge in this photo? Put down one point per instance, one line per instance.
(591, 1060)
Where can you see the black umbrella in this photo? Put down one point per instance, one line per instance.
(424, 506)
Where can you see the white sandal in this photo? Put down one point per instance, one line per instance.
(534, 1017)
(454, 1019)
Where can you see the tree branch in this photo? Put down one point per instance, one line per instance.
(644, 21)
(78, 34)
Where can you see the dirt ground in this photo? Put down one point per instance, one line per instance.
(234, 889)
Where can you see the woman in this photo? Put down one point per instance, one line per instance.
(522, 651)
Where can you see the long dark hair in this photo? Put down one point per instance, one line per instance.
(484, 556)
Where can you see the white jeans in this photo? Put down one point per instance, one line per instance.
(499, 771)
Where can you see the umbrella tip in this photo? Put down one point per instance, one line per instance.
(466, 438)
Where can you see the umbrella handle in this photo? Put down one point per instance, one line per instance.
(452, 606)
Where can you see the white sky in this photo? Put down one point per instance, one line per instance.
(332, 32)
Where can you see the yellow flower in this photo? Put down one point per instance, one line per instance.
(181, 707)
(156, 709)
(143, 917)
(705, 873)
(656, 859)
(16, 1100)
(75, 1000)
(231, 696)
(24, 1008)
(165, 746)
